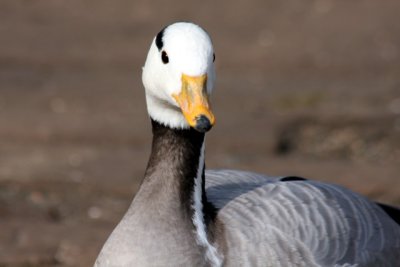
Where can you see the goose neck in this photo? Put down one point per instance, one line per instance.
(174, 163)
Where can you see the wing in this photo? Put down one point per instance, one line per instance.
(294, 222)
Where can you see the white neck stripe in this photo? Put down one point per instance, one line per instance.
(212, 254)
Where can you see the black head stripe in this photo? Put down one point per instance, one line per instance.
(159, 39)
(292, 178)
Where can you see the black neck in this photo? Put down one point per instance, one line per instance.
(174, 163)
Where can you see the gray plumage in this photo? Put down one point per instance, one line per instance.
(268, 222)
(300, 223)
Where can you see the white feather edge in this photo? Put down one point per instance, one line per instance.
(212, 254)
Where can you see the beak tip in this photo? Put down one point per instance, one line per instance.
(203, 124)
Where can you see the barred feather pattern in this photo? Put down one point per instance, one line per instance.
(269, 222)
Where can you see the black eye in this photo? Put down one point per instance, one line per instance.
(164, 57)
(214, 57)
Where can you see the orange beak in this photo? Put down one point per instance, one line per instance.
(194, 103)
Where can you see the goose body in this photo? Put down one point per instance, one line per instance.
(293, 222)
(184, 215)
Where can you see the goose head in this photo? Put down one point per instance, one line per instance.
(178, 77)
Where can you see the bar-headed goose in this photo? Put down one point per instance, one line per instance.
(183, 215)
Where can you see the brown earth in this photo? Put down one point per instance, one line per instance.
(308, 88)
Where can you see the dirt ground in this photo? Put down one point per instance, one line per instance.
(308, 88)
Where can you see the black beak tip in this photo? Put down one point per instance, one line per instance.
(203, 124)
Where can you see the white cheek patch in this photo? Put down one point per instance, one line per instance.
(165, 113)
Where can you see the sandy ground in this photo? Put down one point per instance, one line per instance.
(308, 88)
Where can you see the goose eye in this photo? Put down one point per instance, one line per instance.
(164, 57)
(214, 57)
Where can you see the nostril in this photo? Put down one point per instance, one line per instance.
(203, 124)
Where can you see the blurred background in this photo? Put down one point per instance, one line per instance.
(308, 88)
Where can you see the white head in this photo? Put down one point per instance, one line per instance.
(179, 76)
